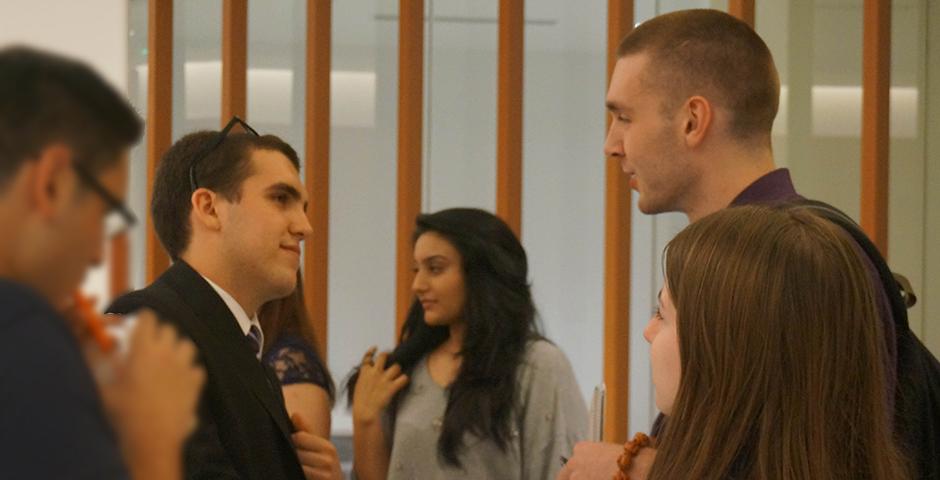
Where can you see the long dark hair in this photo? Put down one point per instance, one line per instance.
(288, 316)
(500, 320)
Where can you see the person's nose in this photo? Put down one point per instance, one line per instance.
(649, 333)
(300, 225)
(613, 144)
(419, 285)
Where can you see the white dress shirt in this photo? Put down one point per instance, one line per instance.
(244, 321)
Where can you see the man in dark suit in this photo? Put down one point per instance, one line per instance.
(229, 208)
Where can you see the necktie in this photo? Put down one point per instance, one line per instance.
(254, 340)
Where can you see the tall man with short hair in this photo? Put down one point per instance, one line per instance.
(229, 208)
(692, 100)
(64, 141)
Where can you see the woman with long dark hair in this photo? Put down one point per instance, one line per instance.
(767, 355)
(472, 389)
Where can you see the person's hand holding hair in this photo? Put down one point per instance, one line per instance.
(375, 386)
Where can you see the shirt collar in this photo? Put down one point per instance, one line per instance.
(774, 187)
(244, 322)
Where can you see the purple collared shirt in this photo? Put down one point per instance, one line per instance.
(775, 187)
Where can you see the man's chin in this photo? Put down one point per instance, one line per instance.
(646, 208)
(284, 286)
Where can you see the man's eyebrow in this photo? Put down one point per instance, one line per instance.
(613, 107)
(286, 188)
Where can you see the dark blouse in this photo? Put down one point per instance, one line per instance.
(294, 361)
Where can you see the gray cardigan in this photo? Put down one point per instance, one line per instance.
(550, 418)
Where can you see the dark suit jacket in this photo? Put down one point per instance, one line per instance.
(244, 431)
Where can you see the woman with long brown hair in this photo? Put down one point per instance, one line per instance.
(766, 352)
(290, 348)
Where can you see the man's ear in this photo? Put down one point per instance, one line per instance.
(698, 120)
(52, 181)
(205, 208)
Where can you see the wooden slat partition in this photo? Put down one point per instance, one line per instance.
(119, 273)
(742, 9)
(509, 113)
(876, 84)
(617, 259)
(159, 114)
(234, 58)
(317, 167)
(410, 115)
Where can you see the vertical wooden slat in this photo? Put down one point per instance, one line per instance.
(509, 113)
(119, 273)
(234, 58)
(317, 167)
(617, 259)
(159, 114)
(410, 114)
(743, 10)
(876, 84)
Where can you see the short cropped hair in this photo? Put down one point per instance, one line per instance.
(47, 98)
(713, 54)
(223, 170)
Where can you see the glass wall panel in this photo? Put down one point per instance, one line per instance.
(363, 157)
(907, 207)
(197, 66)
(821, 83)
(563, 169)
(460, 88)
(276, 69)
(931, 116)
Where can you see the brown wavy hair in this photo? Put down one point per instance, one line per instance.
(781, 353)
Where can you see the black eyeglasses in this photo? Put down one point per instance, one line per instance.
(235, 121)
(118, 219)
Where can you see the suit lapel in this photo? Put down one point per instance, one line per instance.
(217, 331)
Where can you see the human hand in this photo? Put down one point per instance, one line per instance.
(642, 463)
(591, 460)
(375, 386)
(151, 397)
(317, 455)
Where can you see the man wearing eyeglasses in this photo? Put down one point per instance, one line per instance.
(64, 140)
(230, 209)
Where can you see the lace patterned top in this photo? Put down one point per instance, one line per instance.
(294, 361)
